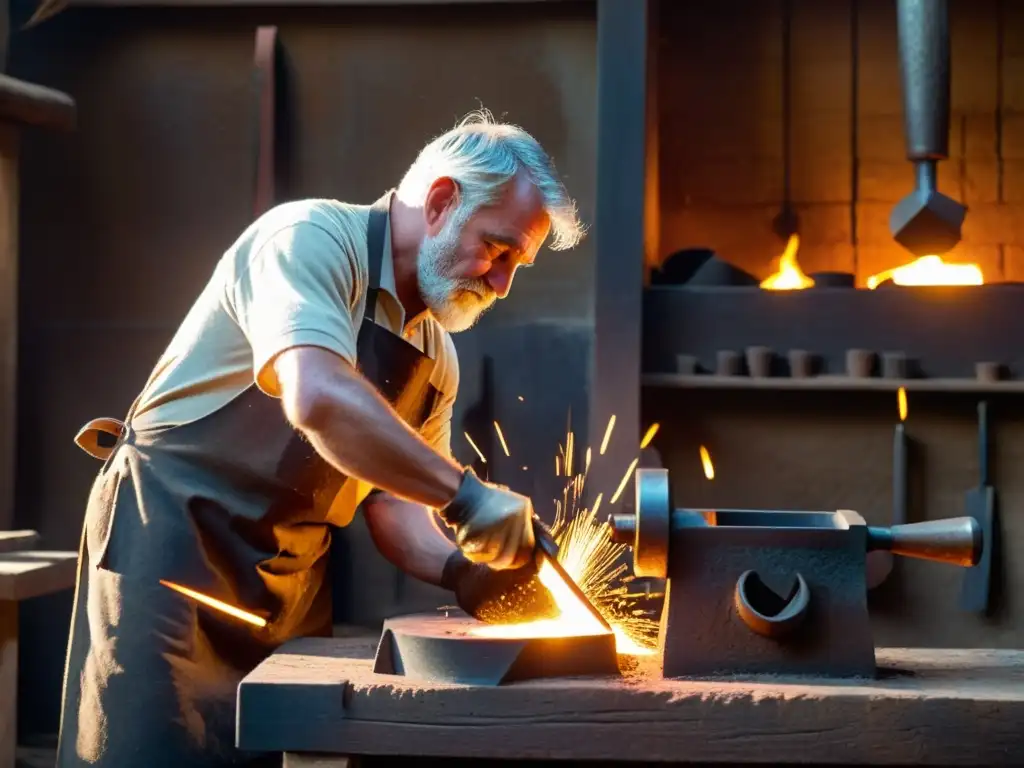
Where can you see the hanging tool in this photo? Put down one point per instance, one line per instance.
(265, 74)
(925, 222)
(547, 549)
(981, 505)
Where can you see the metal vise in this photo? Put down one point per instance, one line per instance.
(764, 592)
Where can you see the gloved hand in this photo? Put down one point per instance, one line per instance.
(498, 597)
(493, 525)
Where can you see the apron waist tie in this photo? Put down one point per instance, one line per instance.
(100, 437)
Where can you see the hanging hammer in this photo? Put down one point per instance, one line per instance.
(925, 222)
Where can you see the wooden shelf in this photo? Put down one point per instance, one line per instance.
(830, 383)
(25, 575)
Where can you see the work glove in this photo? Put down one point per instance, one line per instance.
(492, 524)
(511, 596)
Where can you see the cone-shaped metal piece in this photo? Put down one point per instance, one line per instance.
(955, 540)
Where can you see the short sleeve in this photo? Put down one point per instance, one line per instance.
(437, 430)
(297, 290)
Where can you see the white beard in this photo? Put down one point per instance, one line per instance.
(455, 302)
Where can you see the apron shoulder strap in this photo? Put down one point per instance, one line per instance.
(376, 228)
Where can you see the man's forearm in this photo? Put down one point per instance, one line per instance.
(357, 431)
(408, 535)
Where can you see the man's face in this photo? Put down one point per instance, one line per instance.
(471, 261)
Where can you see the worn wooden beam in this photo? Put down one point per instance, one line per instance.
(18, 541)
(300, 760)
(944, 707)
(8, 682)
(32, 574)
(9, 140)
(221, 3)
(620, 230)
(30, 104)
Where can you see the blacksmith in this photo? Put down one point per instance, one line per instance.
(315, 373)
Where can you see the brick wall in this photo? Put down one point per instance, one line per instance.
(721, 131)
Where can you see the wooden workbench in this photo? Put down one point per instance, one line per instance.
(318, 701)
(23, 575)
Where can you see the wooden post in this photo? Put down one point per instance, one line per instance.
(8, 682)
(620, 232)
(21, 104)
(8, 317)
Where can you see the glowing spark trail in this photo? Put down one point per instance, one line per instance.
(625, 480)
(212, 602)
(607, 434)
(474, 447)
(501, 437)
(649, 435)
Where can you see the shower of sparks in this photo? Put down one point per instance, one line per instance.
(608, 434)
(705, 461)
(475, 448)
(649, 435)
(625, 480)
(901, 402)
(501, 437)
(594, 562)
(212, 602)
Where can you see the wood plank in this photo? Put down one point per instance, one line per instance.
(8, 318)
(18, 541)
(31, 104)
(24, 575)
(8, 683)
(948, 707)
(222, 3)
(303, 760)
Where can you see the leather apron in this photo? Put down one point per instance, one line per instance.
(234, 505)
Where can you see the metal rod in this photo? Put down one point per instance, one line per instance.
(899, 475)
(927, 173)
(923, 32)
(983, 444)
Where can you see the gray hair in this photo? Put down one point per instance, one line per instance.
(482, 156)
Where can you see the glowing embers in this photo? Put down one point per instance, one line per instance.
(442, 649)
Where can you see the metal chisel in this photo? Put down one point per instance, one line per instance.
(548, 549)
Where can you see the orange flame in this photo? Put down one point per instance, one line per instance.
(705, 460)
(789, 276)
(930, 270)
(901, 402)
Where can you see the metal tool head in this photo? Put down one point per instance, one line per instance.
(927, 223)
(547, 549)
